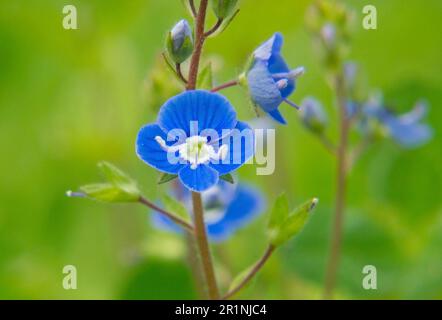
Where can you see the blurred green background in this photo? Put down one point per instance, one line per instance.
(70, 98)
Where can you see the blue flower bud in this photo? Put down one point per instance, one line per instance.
(313, 115)
(180, 42)
(223, 8)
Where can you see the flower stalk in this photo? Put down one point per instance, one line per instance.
(258, 266)
(198, 211)
(341, 186)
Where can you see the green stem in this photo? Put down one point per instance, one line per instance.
(171, 216)
(258, 265)
(341, 185)
(198, 211)
(228, 84)
(203, 245)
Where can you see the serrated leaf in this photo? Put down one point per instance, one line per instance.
(175, 207)
(205, 78)
(166, 177)
(227, 177)
(293, 224)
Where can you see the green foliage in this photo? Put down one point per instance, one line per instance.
(119, 188)
(223, 8)
(283, 224)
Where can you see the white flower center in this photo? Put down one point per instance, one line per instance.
(195, 150)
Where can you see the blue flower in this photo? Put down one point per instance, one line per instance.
(269, 79)
(197, 137)
(227, 207)
(313, 115)
(405, 129)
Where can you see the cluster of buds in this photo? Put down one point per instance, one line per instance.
(330, 23)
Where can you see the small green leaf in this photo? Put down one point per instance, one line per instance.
(293, 224)
(227, 177)
(279, 213)
(118, 188)
(223, 8)
(108, 192)
(166, 177)
(175, 207)
(113, 174)
(205, 78)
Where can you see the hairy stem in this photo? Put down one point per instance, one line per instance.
(258, 265)
(171, 216)
(341, 184)
(228, 84)
(203, 245)
(198, 211)
(199, 43)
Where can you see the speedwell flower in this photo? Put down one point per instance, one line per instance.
(196, 137)
(269, 79)
(227, 207)
(313, 115)
(405, 129)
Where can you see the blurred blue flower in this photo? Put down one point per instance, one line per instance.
(313, 115)
(405, 129)
(228, 207)
(269, 79)
(196, 137)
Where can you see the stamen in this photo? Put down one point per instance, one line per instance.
(292, 74)
(282, 84)
(164, 146)
(291, 104)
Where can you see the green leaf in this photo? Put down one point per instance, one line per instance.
(113, 174)
(107, 192)
(223, 8)
(175, 207)
(227, 177)
(205, 78)
(166, 177)
(292, 224)
(279, 213)
(118, 188)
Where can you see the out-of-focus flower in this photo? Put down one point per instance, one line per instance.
(269, 79)
(228, 207)
(197, 137)
(313, 115)
(180, 42)
(405, 129)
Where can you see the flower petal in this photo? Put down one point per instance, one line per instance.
(270, 47)
(277, 64)
(148, 149)
(210, 110)
(275, 114)
(409, 135)
(199, 179)
(245, 206)
(241, 147)
(263, 88)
